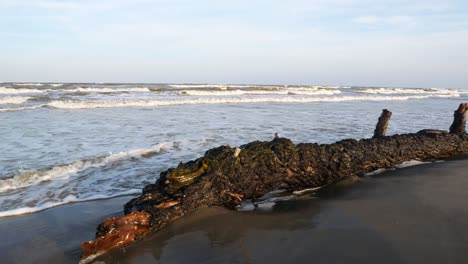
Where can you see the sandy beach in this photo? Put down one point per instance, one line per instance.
(410, 215)
(54, 235)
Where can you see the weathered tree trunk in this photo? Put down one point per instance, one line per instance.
(459, 119)
(222, 178)
(382, 124)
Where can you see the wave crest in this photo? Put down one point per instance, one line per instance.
(34, 177)
(106, 90)
(14, 99)
(4, 90)
(289, 91)
(437, 91)
(288, 99)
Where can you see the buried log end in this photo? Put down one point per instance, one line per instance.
(382, 124)
(459, 119)
(114, 232)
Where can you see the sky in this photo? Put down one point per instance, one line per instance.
(323, 42)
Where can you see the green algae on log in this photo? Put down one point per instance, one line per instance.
(227, 177)
(184, 176)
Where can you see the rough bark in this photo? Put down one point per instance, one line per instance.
(382, 124)
(221, 178)
(459, 119)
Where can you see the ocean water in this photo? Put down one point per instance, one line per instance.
(63, 143)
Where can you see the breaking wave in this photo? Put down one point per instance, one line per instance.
(289, 91)
(4, 90)
(220, 86)
(13, 99)
(28, 84)
(288, 99)
(34, 177)
(438, 91)
(106, 90)
(20, 108)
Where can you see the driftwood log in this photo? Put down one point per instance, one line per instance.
(227, 176)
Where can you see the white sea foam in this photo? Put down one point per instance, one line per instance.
(246, 206)
(183, 86)
(28, 84)
(287, 91)
(438, 91)
(13, 99)
(107, 90)
(56, 84)
(4, 90)
(410, 163)
(286, 99)
(399, 166)
(378, 171)
(328, 87)
(308, 190)
(20, 108)
(34, 177)
(66, 200)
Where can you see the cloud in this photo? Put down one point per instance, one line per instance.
(400, 20)
(375, 21)
(74, 4)
(370, 20)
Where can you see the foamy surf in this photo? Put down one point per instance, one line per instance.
(83, 180)
(402, 165)
(243, 100)
(4, 90)
(34, 177)
(106, 90)
(296, 91)
(90, 96)
(66, 200)
(433, 91)
(411, 163)
(183, 86)
(14, 99)
(28, 84)
(20, 108)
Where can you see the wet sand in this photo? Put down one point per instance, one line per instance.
(411, 215)
(54, 235)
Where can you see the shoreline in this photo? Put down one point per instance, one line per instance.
(340, 220)
(54, 235)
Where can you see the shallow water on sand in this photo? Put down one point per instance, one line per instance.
(54, 235)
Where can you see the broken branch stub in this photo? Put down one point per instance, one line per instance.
(459, 119)
(382, 124)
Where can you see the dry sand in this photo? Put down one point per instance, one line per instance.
(411, 215)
